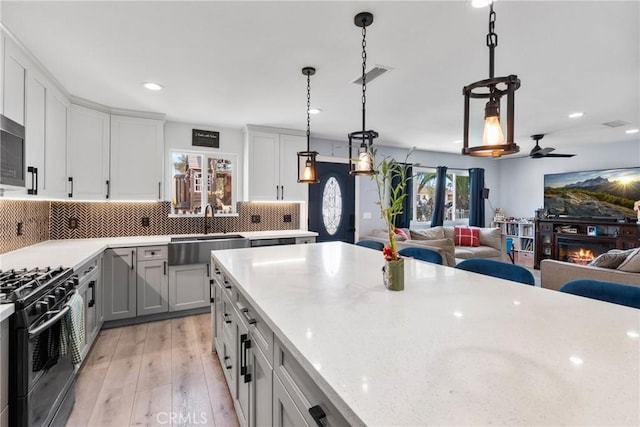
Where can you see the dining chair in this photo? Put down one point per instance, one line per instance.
(423, 254)
(371, 244)
(500, 269)
(604, 291)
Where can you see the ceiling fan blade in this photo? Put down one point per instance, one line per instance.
(541, 152)
(559, 155)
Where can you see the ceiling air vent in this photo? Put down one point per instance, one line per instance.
(372, 74)
(615, 123)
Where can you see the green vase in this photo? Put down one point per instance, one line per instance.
(393, 275)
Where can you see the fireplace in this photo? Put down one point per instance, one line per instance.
(581, 250)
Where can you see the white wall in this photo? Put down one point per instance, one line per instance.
(178, 136)
(521, 189)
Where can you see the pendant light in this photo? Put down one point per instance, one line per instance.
(363, 163)
(307, 159)
(493, 89)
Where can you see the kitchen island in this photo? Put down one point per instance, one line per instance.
(453, 348)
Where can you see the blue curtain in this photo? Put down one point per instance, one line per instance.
(403, 220)
(437, 218)
(476, 201)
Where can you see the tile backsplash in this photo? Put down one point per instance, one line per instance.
(28, 218)
(43, 220)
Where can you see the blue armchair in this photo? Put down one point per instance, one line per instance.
(604, 291)
(499, 269)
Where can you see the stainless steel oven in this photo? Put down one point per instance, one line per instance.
(12, 154)
(41, 370)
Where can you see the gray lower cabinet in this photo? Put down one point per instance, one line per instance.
(188, 286)
(267, 384)
(153, 287)
(240, 337)
(260, 388)
(285, 412)
(119, 283)
(90, 289)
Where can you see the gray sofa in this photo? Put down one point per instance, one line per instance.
(554, 274)
(441, 239)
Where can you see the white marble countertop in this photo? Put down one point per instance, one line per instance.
(453, 348)
(6, 310)
(75, 252)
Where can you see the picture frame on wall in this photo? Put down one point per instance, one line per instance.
(205, 138)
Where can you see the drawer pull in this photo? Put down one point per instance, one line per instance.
(245, 345)
(251, 320)
(224, 316)
(225, 365)
(318, 414)
(227, 285)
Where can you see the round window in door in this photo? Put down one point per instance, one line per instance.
(331, 205)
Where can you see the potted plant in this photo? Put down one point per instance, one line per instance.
(390, 201)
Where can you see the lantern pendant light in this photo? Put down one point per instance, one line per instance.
(363, 163)
(307, 159)
(494, 143)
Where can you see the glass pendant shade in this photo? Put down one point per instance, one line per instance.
(307, 167)
(361, 157)
(492, 133)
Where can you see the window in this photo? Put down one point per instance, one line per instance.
(456, 200)
(331, 205)
(190, 193)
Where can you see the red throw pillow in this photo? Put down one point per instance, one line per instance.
(399, 232)
(465, 236)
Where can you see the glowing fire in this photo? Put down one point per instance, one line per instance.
(581, 256)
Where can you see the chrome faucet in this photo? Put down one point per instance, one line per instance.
(207, 227)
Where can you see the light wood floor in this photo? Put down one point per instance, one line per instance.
(154, 374)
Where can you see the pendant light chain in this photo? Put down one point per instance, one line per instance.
(492, 40)
(308, 109)
(364, 74)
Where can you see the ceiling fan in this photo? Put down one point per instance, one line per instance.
(538, 152)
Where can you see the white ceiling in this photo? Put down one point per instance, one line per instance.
(233, 63)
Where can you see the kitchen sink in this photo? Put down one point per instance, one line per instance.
(197, 249)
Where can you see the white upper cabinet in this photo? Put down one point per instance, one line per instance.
(88, 153)
(46, 124)
(137, 152)
(55, 160)
(15, 75)
(271, 167)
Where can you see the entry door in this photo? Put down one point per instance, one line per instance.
(332, 203)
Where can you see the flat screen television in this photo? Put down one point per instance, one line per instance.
(600, 194)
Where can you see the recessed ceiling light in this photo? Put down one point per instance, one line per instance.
(457, 141)
(480, 3)
(152, 86)
(632, 131)
(315, 110)
(576, 115)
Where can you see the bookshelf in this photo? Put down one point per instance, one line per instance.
(522, 232)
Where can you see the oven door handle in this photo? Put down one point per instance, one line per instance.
(46, 325)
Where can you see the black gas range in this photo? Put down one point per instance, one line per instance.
(41, 370)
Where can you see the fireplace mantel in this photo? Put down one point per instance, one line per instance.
(598, 234)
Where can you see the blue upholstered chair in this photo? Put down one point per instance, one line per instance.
(423, 254)
(604, 291)
(499, 269)
(371, 244)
